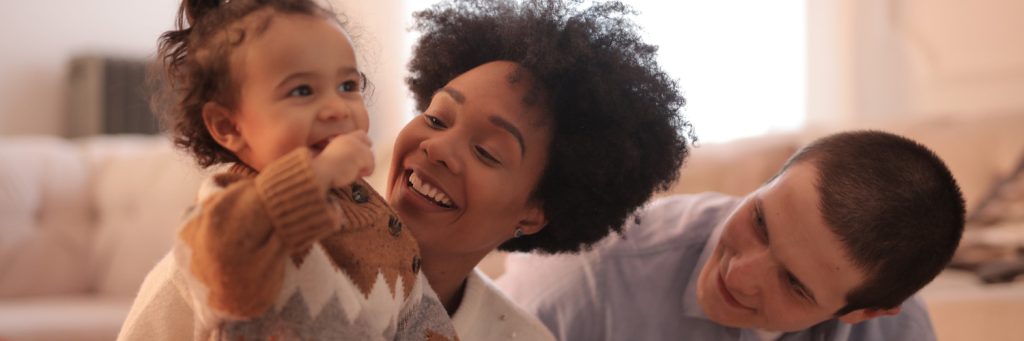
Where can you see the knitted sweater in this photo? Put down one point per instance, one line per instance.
(275, 255)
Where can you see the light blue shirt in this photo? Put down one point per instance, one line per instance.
(642, 285)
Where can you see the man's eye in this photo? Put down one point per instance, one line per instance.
(434, 122)
(759, 225)
(301, 91)
(796, 286)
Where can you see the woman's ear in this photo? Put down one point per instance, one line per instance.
(533, 220)
(222, 128)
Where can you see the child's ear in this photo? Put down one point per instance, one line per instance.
(861, 315)
(222, 128)
(533, 219)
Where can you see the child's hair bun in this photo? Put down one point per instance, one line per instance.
(196, 9)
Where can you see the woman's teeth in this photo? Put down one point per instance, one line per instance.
(428, 191)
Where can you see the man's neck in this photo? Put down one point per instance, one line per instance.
(447, 276)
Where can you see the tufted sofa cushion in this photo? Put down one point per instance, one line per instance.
(45, 223)
(141, 189)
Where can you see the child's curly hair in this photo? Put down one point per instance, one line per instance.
(194, 66)
(618, 133)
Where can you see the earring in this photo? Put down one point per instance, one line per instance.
(518, 233)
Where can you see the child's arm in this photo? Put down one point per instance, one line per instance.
(235, 243)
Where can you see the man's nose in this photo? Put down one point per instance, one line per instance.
(748, 272)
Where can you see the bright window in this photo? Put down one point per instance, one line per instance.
(740, 63)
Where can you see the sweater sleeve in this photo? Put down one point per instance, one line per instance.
(235, 243)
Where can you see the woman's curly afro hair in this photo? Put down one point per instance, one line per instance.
(617, 130)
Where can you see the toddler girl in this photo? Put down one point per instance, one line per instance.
(287, 242)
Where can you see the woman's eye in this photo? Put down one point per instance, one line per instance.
(434, 122)
(487, 156)
(301, 91)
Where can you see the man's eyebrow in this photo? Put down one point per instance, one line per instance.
(511, 128)
(759, 208)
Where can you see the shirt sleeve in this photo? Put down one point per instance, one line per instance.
(234, 244)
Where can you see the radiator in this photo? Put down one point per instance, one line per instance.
(107, 95)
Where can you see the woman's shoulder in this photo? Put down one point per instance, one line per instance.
(486, 313)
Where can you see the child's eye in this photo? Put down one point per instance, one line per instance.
(301, 91)
(349, 86)
(434, 122)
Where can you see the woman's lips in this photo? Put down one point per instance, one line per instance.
(433, 195)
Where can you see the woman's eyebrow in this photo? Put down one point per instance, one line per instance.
(454, 94)
(511, 128)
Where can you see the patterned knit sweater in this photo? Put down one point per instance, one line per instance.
(276, 256)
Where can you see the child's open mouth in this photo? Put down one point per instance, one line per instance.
(319, 146)
(428, 192)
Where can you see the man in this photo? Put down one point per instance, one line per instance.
(829, 249)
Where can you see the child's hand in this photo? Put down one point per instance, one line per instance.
(346, 158)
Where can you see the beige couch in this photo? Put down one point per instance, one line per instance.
(82, 221)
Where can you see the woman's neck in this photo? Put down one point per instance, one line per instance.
(447, 276)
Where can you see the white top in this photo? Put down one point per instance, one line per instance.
(487, 314)
(161, 312)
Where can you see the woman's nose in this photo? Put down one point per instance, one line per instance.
(441, 150)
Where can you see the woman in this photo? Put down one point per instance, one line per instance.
(543, 128)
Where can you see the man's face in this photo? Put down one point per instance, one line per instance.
(777, 265)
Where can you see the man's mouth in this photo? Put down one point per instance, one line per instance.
(429, 192)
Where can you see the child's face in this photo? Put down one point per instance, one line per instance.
(299, 87)
(463, 171)
(776, 253)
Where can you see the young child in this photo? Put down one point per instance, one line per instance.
(287, 243)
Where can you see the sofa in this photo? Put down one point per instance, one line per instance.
(81, 223)
(83, 220)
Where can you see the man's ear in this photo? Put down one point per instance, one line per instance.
(222, 128)
(861, 315)
(533, 219)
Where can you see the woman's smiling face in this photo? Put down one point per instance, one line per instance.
(464, 170)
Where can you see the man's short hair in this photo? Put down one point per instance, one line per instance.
(894, 205)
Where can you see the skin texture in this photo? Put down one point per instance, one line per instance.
(485, 149)
(774, 254)
(299, 87)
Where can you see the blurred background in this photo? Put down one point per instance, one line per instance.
(90, 198)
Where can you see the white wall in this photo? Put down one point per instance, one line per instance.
(897, 60)
(40, 37)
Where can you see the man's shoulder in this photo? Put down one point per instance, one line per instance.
(672, 221)
(912, 323)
